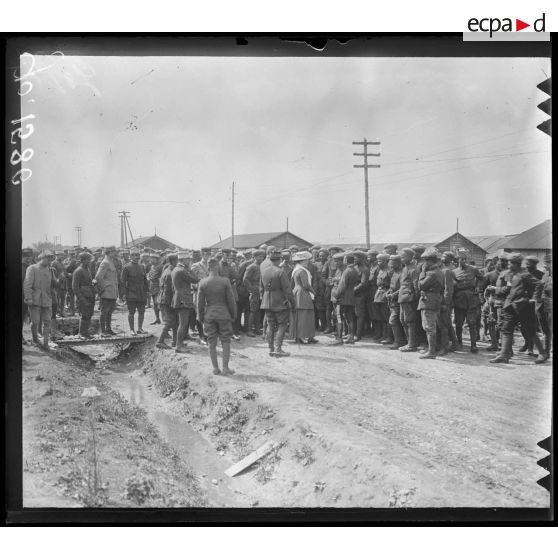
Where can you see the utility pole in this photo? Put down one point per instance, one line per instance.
(457, 226)
(124, 228)
(232, 220)
(366, 166)
(78, 230)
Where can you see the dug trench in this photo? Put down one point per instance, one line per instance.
(352, 427)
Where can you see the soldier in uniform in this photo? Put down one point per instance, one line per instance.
(37, 295)
(531, 266)
(381, 303)
(71, 265)
(466, 301)
(243, 307)
(445, 325)
(431, 285)
(408, 299)
(201, 270)
(134, 282)
(106, 280)
(392, 295)
(26, 261)
(168, 313)
(496, 300)
(491, 273)
(343, 297)
(251, 283)
(183, 300)
(228, 270)
(361, 292)
(82, 285)
(58, 265)
(543, 302)
(374, 319)
(267, 262)
(328, 273)
(519, 289)
(286, 263)
(321, 301)
(216, 303)
(277, 300)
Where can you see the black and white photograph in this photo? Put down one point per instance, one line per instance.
(256, 279)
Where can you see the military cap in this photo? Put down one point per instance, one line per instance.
(196, 252)
(77, 247)
(234, 251)
(110, 249)
(263, 247)
(206, 250)
(294, 247)
(532, 258)
(418, 248)
(59, 253)
(248, 251)
(336, 248)
(395, 257)
(339, 256)
(46, 254)
(84, 256)
(449, 254)
(184, 254)
(135, 252)
(226, 250)
(503, 255)
(383, 256)
(285, 252)
(323, 251)
(212, 261)
(431, 253)
(144, 254)
(27, 252)
(359, 254)
(98, 251)
(270, 248)
(390, 247)
(372, 252)
(275, 255)
(515, 257)
(258, 252)
(409, 252)
(461, 253)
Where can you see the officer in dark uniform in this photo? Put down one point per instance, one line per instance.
(134, 282)
(381, 303)
(519, 289)
(277, 301)
(251, 281)
(373, 317)
(531, 266)
(82, 286)
(445, 325)
(361, 292)
(166, 293)
(243, 307)
(392, 295)
(408, 299)
(466, 301)
(343, 297)
(328, 272)
(431, 285)
(71, 264)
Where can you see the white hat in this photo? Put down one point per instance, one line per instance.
(184, 254)
(302, 256)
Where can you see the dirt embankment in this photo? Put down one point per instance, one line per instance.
(84, 445)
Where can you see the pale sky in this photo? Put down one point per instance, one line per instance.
(165, 137)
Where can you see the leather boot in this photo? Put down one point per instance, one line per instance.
(397, 337)
(504, 356)
(543, 356)
(226, 357)
(279, 352)
(213, 357)
(34, 335)
(46, 336)
(387, 334)
(411, 345)
(431, 353)
(251, 325)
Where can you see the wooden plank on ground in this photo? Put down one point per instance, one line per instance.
(250, 459)
(105, 340)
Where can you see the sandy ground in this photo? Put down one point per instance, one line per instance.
(355, 426)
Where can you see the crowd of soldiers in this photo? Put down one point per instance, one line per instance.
(410, 300)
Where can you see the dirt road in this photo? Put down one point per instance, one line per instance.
(356, 426)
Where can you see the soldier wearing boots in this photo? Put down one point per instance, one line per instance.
(343, 297)
(419, 249)
(543, 302)
(216, 303)
(374, 316)
(519, 289)
(466, 301)
(381, 303)
(106, 280)
(490, 317)
(183, 299)
(58, 265)
(82, 285)
(154, 276)
(134, 283)
(445, 325)
(531, 266)
(361, 292)
(201, 270)
(252, 277)
(431, 286)
(392, 295)
(408, 299)
(37, 295)
(277, 300)
(243, 307)
(168, 313)
(328, 273)
(71, 265)
(286, 263)
(321, 301)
